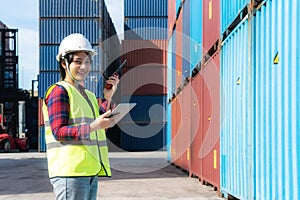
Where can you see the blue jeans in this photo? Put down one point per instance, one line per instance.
(75, 188)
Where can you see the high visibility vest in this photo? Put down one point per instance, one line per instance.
(77, 158)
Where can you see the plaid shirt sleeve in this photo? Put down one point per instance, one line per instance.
(58, 109)
(103, 106)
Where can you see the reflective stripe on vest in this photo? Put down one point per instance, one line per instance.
(77, 158)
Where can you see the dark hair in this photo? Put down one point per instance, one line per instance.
(70, 58)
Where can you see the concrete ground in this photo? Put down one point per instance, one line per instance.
(143, 175)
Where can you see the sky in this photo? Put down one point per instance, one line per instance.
(24, 16)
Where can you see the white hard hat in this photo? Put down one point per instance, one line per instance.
(74, 42)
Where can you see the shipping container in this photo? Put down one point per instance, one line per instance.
(171, 16)
(229, 10)
(79, 8)
(149, 28)
(148, 109)
(186, 65)
(177, 132)
(143, 136)
(145, 8)
(93, 82)
(41, 121)
(276, 80)
(178, 6)
(209, 151)
(196, 125)
(48, 60)
(140, 52)
(42, 147)
(169, 132)
(184, 143)
(179, 35)
(45, 80)
(148, 79)
(236, 137)
(52, 31)
(195, 32)
(211, 23)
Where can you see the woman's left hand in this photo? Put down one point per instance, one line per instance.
(113, 81)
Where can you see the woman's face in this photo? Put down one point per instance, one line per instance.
(79, 67)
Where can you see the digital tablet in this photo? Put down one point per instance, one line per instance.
(120, 111)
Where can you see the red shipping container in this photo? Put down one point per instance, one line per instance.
(211, 23)
(149, 79)
(185, 141)
(140, 52)
(206, 145)
(176, 130)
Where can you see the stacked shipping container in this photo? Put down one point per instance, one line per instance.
(245, 141)
(90, 18)
(144, 76)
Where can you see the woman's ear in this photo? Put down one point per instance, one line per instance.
(63, 64)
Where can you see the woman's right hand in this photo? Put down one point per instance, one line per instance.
(101, 122)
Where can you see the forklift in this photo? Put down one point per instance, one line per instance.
(7, 141)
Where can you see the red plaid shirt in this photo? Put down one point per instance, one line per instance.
(58, 110)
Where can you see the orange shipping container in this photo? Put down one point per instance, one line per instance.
(40, 113)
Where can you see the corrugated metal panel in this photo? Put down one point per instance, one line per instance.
(70, 8)
(140, 52)
(211, 23)
(143, 136)
(195, 32)
(196, 125)
(186, 140)
(169, 131)
(276, 95)
(173, 58)
(149, 28)
(179, 40)
(92, 82)
(230, 10)
(210, 116)
(42, 139)
(177, 132)
(186, 65)
(52, 31)
(145, 8)
(236, 135)
(150, 79)
(149, 109)
(45, 80)
(48, 60)
(171, 16)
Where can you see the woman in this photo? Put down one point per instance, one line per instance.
(75, 131)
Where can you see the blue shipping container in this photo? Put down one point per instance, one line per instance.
(195, 32)
(143, 136)
(186, 65)
(42, 140)
(145, 8)
(276, 73)
(236, 137)
(93, 82)
(148, 109)
(52, 31)
(48, 60)
(70, 8)
(230, 9)
(151, 28)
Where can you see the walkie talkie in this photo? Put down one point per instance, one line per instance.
(109, 86)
